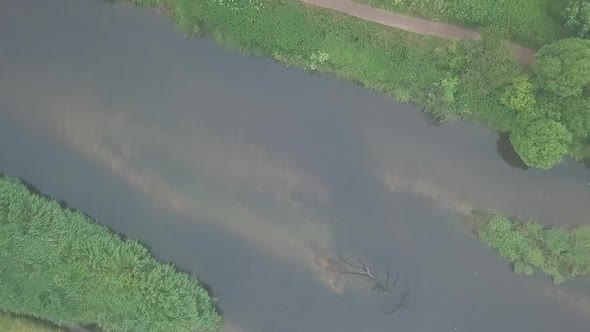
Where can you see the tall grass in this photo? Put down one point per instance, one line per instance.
(58, 265)
(534, 22)
(560, 253)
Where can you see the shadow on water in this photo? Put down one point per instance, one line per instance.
(507, 152)
(432, 119)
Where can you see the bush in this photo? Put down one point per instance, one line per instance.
(561, 253)
(57, 265)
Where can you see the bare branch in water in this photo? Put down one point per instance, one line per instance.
(341, 266)
(361, 269)
(400, 304)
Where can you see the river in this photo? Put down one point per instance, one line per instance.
(230, 166)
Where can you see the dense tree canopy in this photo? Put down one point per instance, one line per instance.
(576, 116)
(577, 16)
(542, 144)
(563, 68)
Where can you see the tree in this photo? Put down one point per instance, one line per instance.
(575, 114)
(563, 68)
(577, 16)
(542, 144)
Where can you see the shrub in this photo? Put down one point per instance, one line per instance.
(561, 253)
(57, 265)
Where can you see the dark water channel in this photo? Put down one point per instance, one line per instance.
(230, 166)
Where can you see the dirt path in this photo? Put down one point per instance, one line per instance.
(416, 25)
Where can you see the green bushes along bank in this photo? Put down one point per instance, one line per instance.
(544, 108)
(58, 265)
(560, 253)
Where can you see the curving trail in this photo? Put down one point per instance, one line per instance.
(523, 54)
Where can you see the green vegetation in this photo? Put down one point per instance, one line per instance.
(544, 109)
(12, 323)
(563, 68)
(542, 143)
(534, 22)
(577, 16)
(57, 265)
(558, 252)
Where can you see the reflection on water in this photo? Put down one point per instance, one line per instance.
(230, 166)
(506, 151)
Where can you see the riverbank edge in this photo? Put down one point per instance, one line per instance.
(478, 81)
(88, 261)
(13, 323)
(560, 253)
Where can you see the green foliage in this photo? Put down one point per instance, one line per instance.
(489, 64)
(577, 17)
(57, 265)
(478, 80)
(558, 252)
(521, 95)
(576, 116)
(12, 323)
(530, 21)
(542, 144)
(563, 68)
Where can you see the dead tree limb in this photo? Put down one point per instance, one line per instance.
(361, 269)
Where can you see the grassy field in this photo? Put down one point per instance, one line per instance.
(60, 266)
(11, 323)
(533, 22)
(560, 253)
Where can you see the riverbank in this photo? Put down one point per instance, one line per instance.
(12, 323)
(476, 80)
(59, 266)
(561, 253)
